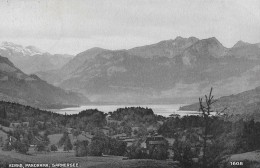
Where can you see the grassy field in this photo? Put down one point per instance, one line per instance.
(136, 163)
(90, 161)
(54, 139)
(3, 135)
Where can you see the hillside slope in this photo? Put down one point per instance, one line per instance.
(30, 89)
(246, 104)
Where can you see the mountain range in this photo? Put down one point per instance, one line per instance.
(30, 59)
(171, 71)
(16, 86)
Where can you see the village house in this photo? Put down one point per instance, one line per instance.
(105, 130)
(152, 141)
(174, 115)
(11, 140)
(36, 140)
(170, 141)
(69, 130)
(155, 140)
(129, 141)
(110, 120)
(122, 136)
(25, 124)
(40, 123)
(15, 125)
(85, 136)
(19, 124)
(135, 128)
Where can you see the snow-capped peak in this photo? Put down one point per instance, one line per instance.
(19, 49)
(6, 43)
(34, 49)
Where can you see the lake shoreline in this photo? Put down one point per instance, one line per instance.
(158, 109)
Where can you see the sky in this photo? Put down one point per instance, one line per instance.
(73, 26)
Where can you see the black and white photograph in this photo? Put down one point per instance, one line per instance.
(130, 83)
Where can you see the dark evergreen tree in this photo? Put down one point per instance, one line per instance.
(63, 138)
(54, 148)
(97, 146)
(7, 145)
(67, 145)
(81, 148)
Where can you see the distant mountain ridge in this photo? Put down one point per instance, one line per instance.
(241, 43)
(31, 90)
(178, 69)
(245, 50)
(246, 104)
(30, 59)
(167, 48)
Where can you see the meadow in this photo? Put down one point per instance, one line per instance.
(84, 162)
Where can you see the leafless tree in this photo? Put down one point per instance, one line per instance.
(206, 109)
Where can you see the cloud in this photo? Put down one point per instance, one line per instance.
(126, 23)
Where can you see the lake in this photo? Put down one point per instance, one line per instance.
(162, 109)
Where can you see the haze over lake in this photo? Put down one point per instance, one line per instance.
(164, 110)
